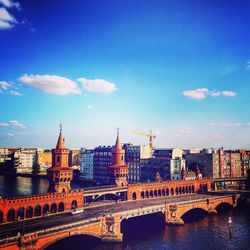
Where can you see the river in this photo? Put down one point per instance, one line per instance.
(150, 232)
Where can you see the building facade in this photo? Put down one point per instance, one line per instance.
(167, 162)
(102, 160)
(220, 163)
(87, 164)
(24, 159)
(75, 158)
(135, 156)
(43, 159)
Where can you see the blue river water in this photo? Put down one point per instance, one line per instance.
(150, 232)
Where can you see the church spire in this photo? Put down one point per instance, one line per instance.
(60, 142)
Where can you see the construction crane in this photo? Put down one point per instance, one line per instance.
(150, 135)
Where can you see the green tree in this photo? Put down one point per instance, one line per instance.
(36, 168)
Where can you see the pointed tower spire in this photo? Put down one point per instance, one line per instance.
(60, 142)
(117, 143)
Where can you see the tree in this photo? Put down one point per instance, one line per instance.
(36, 168)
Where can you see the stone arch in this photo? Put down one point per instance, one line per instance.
(223, 203)
(184, 211)
(20, 213)
(11, 215)
(61, 207)
(45, 209)
(134, 196)
(159, 193)
(167, 192)
(196, 212)
(186, 189)
(53, 208)
(192, 188)
(151, 194)
(180, 190)
(183, 190)
(74, 204)
(38, 210)
(155, 193)
(172, 191)
(54, 240)
(1, 216)
(176, 190)
(163, 192)
(142, 195)
(147, 194)
(29, 212)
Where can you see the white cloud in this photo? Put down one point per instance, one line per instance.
(4, 124)
(16, 93)
(10, 134)
(4, 85)
(90, 106)
(5, 15)
(13, 123)
(196, 94)
(51, 84)
(215, 93)
(16, 124)
(5, 25)
(10, 4)
(228, 93)
(7, 21)
(98, 85)
(202, 93)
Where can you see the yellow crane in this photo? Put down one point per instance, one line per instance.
(149, 134)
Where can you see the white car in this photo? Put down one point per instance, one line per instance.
(78, 211)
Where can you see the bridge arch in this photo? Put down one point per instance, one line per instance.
(20, 213)
(73, 204)
(37, 210)
(45, 209)
(11, 215)
(198, 211)
(29, 212)
(53, 208)
(183, 212)
(223, 205)
(134, 196)
(61, 207)
(1, 216)
(61, 237)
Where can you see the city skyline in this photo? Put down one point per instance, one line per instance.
(180, 69)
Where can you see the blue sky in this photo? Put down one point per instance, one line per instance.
(180, 68)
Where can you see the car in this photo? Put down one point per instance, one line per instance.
(78, 211)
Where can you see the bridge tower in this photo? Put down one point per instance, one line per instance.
(118, 171)
(60, 174)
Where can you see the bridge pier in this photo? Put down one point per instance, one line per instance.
(212, 210)
(111, 229)
(171, 218)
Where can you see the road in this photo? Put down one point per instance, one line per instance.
(36, 224)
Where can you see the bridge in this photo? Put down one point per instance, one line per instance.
(105, 222)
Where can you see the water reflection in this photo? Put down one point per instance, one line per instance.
(11, 186)
(210, 232)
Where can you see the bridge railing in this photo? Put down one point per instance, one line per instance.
(50, 230)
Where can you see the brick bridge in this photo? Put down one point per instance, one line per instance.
(108, 227)
(27, 207)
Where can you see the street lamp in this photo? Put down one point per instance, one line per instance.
(229, 226)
